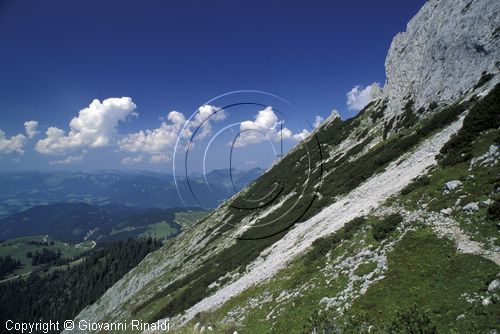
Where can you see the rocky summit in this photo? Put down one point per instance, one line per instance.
(446, 48)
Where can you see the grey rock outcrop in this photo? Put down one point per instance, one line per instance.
(494, 285)
(488, 159)
(451, 185)
(443, 53)
(471, 207)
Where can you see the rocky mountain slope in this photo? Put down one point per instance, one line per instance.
(364, 232)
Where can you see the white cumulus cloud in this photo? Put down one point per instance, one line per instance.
(95, 126)
(205, 115)
(358, 97)
(266, 126)
(301, 135)
(31, 128)
(132, 160)
(12, 144)
(156, 140)
(160, 142)
(317, 121)
(158, 158)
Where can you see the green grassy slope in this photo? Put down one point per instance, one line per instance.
(349, 170)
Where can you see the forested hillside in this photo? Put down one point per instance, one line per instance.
(59, 294)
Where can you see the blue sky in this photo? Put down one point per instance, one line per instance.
(58, 56)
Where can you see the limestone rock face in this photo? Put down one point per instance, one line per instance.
(443, 53)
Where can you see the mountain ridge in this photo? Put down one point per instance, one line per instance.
(21, 190)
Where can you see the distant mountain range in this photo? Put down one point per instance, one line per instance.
(22, 190)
